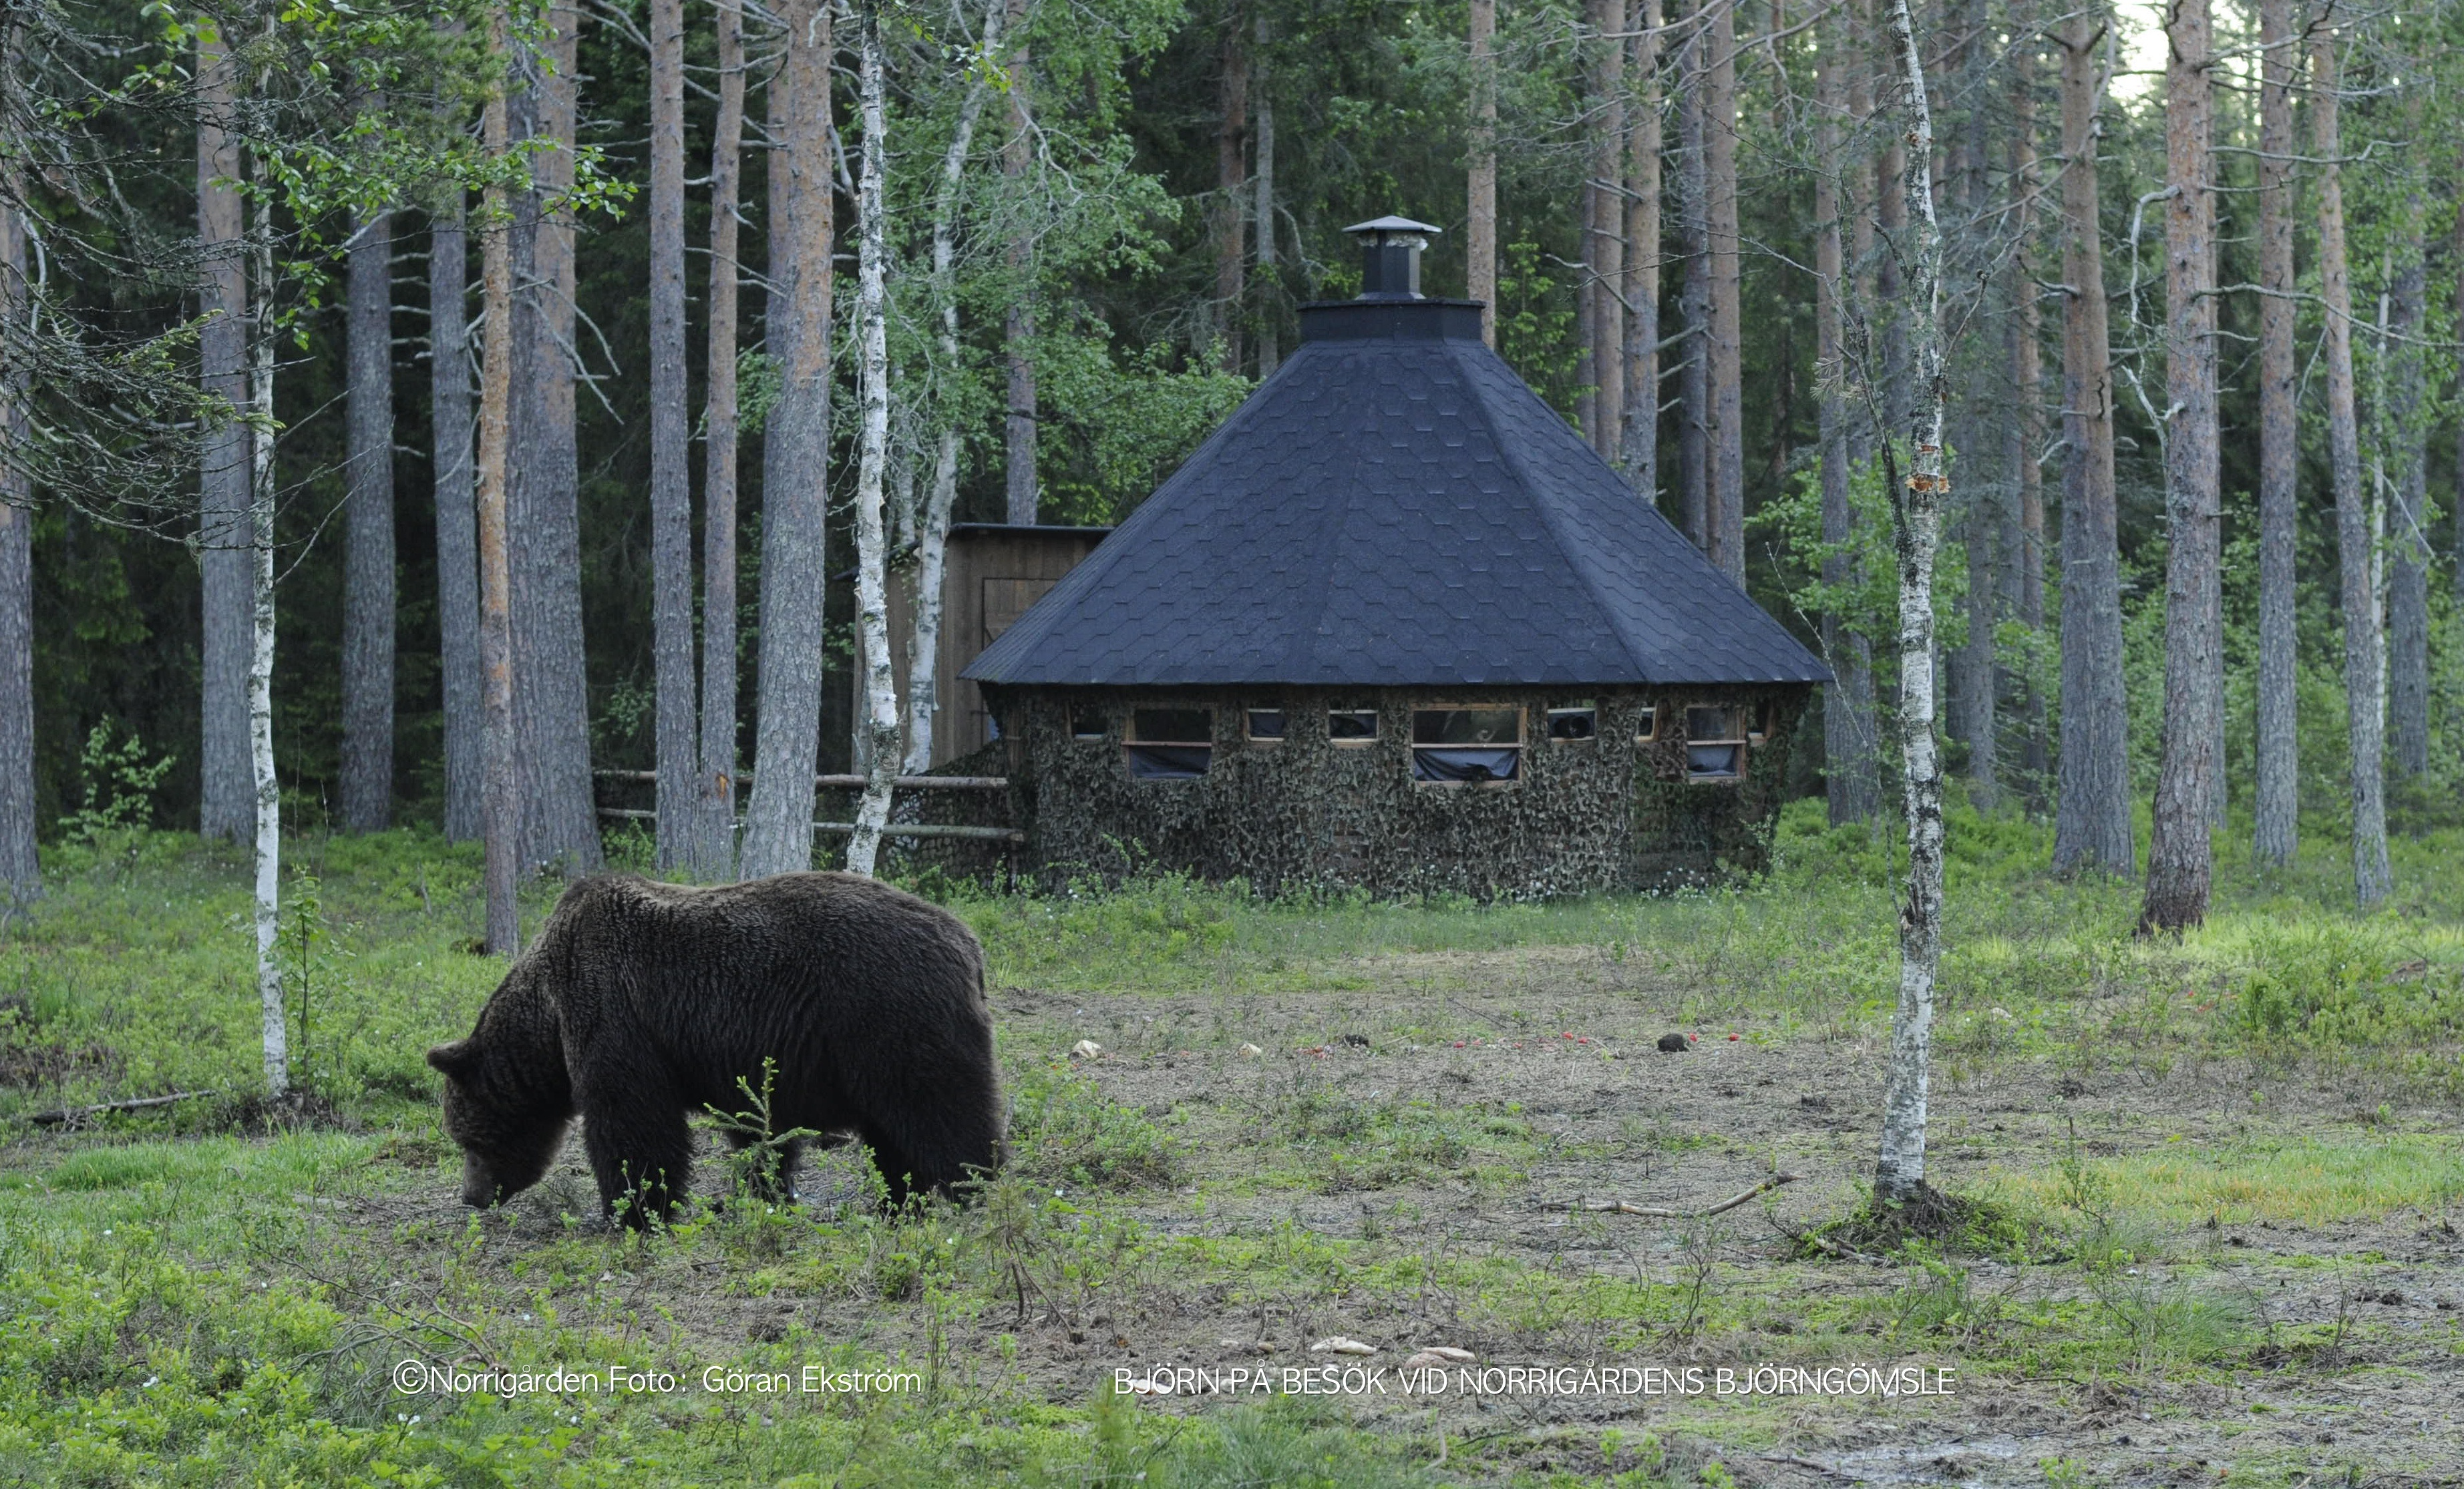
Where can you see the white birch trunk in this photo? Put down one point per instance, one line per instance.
(933, 525)
(260, 661)
(880, 721)
(1900, 1168)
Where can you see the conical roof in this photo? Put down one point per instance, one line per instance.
(1394, 507)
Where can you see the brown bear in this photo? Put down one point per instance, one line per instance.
(642, 1003)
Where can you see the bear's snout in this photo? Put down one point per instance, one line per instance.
(479, 1187)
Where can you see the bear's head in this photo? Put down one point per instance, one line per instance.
(507, 1136)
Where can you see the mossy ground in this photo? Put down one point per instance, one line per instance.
(2226, 1173)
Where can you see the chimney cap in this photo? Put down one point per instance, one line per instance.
(1391, 223)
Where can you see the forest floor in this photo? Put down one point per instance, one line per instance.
(2224, 1175)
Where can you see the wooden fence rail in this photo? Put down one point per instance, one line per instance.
(842, 829)
(850, 783)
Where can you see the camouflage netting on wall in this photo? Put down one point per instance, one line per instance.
(1614, 811)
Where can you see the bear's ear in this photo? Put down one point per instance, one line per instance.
(457, 1060)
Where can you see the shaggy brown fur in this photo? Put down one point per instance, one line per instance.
(642, 1003)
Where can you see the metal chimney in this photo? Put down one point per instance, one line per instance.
(1389, 257)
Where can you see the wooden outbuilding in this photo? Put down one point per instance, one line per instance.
(1396, 626)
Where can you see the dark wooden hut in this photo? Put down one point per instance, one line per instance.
(1397, 626)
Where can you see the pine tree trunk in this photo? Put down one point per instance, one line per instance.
(2181, 856)
(368, 550)
(21, 879)
(551, 692)
(1973, 706)
(2354, 540)
(1023, 489)
(1480, 232)
(1262, 213)
(778, 818)
(873, 391)
(2092, 810)
(2026, 424)
(457, 536)
(933, 524)
(2277, 803)
(1900, 1167)
(678, 723)
(1724, 344)
(1640, 422)
(1694, 295)
(1231, 172)
(1849, 746)
(714, 856)
(267, 795)
(2407, 548)
(503, 817)
(1607, 226)
(227, 801)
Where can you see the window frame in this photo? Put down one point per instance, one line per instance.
(1550, 717)
(1522, 740)
(1249, 731)
(1077, 734)
(1739, 740)
(1131, 739)
(1352, 741)
(1647, 731)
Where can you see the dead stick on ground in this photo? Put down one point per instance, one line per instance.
(1621, 1207)
(67, 1113)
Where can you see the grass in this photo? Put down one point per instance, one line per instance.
(188, 1298)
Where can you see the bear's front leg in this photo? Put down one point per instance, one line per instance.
(639, 1148)
(769, 1175)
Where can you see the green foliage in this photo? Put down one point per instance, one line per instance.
(119, 786)
(1062, 1130)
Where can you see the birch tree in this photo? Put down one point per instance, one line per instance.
(2181, 854)
(873, 391)
(1900, 1167)
(2276, 825)
(933, 527)
(268, 822)
(1022, 486)
(2355, 542)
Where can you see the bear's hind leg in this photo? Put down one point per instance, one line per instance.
(640, 1150)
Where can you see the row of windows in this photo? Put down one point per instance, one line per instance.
(1468, 745)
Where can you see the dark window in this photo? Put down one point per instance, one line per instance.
(1351, 725)
(1647, 724)
(1089, 723)
(1573, 724)
(1704, 723)
(1266, 726)
(1715, 743)
(1466, 745)
(1169, 744)
(1715, 761)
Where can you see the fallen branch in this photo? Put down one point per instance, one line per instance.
(1622, 1207)
(62, 1114)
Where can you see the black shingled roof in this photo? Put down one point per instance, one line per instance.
(1394, 507)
